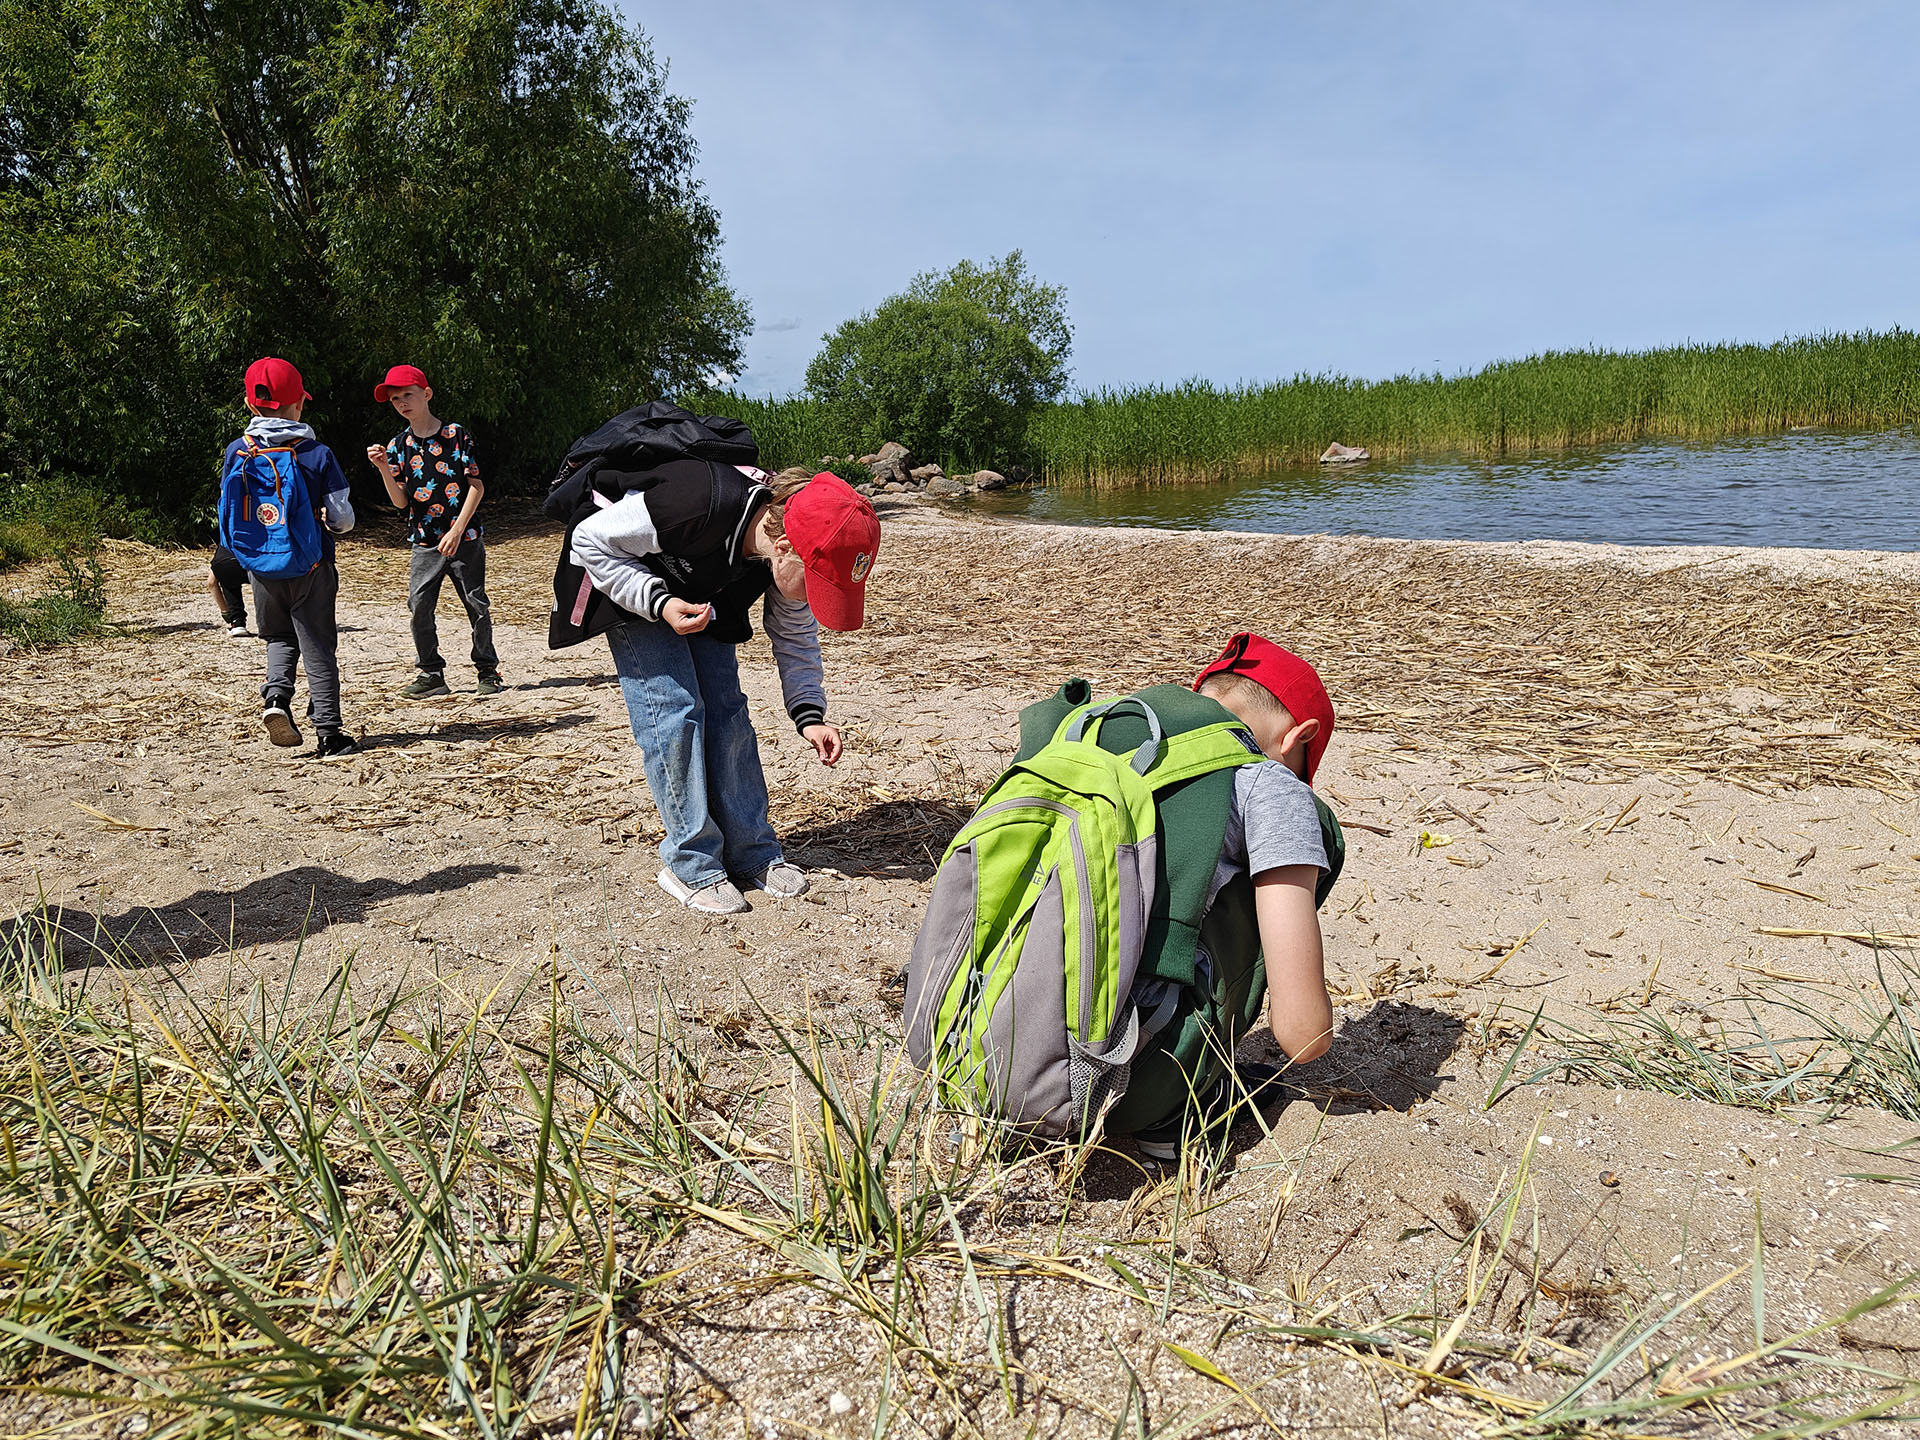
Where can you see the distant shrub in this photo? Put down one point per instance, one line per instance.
(954, 368)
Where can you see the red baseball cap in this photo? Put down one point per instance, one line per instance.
(837, 535)
(1285, 676)
(398, 378)
(273, 382)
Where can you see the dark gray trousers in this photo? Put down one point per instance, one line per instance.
(467, 568)
(294, 615)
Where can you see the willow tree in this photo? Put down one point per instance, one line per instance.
(953, 367)
(499, 191)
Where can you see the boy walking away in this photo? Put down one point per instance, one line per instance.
(282, 500)
(431, 472)
(1134, 894)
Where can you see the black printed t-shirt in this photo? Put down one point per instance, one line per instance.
(436, 470)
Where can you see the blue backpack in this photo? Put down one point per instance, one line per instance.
(267, 518)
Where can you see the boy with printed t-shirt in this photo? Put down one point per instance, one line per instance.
(295, 613)
(430, 471)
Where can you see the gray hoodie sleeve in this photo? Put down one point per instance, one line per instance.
(795, 637)
(609, 547)
(339, 501)
(340, 511)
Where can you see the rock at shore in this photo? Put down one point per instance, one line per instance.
(924, 473)
(941, 485)
(1338, 454)
(989, 480)
(889, 464)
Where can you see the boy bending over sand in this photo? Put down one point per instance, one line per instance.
(1277, 837)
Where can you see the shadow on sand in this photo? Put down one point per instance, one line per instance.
(894, 840)
(301, 901)
(1390, 1058)
(459, 730)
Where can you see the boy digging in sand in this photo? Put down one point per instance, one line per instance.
(430, 472)
(1133, 895)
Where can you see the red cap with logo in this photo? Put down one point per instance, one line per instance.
(398, 378)
(836, 534)
(273, 382)
(1285, 676)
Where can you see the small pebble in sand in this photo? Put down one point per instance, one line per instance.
(839, 1404)
(1609, 1179)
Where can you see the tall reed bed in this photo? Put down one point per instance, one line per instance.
(794, 430)
(1200, 431)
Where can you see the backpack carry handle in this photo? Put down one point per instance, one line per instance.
(1144, 757)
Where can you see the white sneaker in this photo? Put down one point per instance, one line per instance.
(782, 880)
(237, 631)
(719, 898)
(280, 727)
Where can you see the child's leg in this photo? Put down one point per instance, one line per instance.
(319, 636)
(272, 614)
(425, 570)
(736, 785)
(669, 724)
(469, 570)
(227, 580)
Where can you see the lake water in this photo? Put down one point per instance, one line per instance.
(1832, 490)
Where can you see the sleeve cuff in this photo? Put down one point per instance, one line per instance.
(656, 600)
(805, 715)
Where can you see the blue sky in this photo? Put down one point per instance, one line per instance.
(1242, 191)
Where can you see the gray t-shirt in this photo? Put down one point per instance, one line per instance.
(1273, 822)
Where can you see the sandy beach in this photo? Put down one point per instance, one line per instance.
(1585, 782)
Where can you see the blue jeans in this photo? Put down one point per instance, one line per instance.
(698, 750)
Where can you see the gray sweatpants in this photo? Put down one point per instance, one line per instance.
(294, 615)
(467, 567)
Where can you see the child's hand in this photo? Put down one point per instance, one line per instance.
(685, 619)
(825, 740)
(377, 457)
(449, 545)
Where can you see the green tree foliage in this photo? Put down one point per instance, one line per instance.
(499, 191)
(952, 368)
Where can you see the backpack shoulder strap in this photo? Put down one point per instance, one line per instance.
(1042, 720)
(1334, 840)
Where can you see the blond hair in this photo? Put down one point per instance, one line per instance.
(1224, 685)
(787, 484)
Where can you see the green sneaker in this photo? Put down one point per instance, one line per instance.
(490, 684)
(425, 685)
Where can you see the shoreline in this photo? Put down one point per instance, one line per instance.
(1791, 560)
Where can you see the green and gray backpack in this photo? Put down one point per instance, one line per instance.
(1056, 966)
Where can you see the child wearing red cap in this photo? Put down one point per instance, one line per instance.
(684, 555)
(430, 472)
(295, 613)
(1274, 835)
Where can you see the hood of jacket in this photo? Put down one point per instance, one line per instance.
(273, 430)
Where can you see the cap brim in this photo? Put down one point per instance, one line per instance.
(836, 606)
(382, 394)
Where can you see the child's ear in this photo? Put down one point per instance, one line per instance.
(1296, 742)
